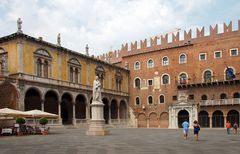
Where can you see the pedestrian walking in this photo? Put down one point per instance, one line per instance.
(185, 126)
(235, 127)
(196, 129)
(228, 126)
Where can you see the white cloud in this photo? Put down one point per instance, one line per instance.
(104, 25)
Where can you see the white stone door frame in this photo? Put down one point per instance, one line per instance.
(176, 108)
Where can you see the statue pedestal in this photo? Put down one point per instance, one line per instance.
(97, 123)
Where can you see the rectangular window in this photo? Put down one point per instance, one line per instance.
(217, 54)
(234, 52)
(202, 56)
(174, 98)
(191, 97)
(150, 82)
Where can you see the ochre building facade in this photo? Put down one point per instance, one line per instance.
(36, 74)
(177, 78)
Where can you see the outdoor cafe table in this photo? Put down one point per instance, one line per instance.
(6, 131)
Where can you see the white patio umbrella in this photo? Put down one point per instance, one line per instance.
(39, 114)
(7, 112)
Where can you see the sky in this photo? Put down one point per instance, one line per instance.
(107, 24)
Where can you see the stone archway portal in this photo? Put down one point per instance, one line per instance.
(182, 116)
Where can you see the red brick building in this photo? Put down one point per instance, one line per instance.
(190, 78)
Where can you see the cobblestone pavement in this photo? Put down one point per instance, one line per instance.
(122, 141)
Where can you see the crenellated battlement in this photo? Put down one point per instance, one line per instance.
(169, 40)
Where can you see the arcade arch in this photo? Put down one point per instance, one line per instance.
(67, 109)
(32, 100)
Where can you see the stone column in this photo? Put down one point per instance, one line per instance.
(59, 112)
(225, 120)
(210, 121)
(20, 56)
(109, 114)
(118, 113)
(42, 105)
(74, 115)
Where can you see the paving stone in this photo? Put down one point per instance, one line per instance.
(122, 141)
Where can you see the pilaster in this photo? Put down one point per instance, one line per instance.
(20, 56)
(88, 73)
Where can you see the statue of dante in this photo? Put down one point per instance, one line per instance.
(19, 25)
(97, 90)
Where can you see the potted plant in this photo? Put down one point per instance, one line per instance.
(43, 121)
(20, 121)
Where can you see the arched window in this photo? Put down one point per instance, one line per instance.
(204, 97)
(182, 59)
(165, 79)
(207, 76)
(45, 69)
(137, 101)
(150, 100)
(150, 63)
(39, 67)
(118, 79)
(76, 75)
(137, 83)
(74, 67)
(161, 99)
(223, 96)
(236, 95)
(183, 78)
(137, 66)
(71, 74)
(165, 61)
(42, 63)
